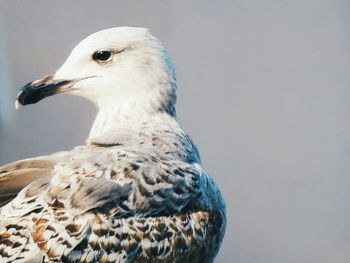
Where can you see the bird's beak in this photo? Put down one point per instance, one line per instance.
(42, 88)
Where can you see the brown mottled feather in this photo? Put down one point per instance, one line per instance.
(133, 203)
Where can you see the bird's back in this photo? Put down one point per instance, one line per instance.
(141, 197)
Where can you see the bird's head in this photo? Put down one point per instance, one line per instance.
(124, 68)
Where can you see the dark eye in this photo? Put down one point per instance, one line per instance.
(102, 55)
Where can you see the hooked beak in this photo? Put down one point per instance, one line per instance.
(42, 88)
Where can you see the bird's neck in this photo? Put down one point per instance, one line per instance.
(114, 120)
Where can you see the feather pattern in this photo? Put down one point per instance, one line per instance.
(120, 203)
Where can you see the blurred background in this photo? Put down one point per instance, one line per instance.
(263, 90)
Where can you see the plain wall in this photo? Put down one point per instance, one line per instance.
(263, 91)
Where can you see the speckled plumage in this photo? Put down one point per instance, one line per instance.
(133, 193)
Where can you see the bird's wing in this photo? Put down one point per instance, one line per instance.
(17, 175)
(115, 204)
(127, 183)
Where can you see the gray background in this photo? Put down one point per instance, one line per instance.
(263, 90)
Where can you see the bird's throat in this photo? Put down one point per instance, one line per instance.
(114, 120)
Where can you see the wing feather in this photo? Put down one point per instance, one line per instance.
(17, 175)
(117, 204)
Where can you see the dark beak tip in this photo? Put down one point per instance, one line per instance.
(37, 90)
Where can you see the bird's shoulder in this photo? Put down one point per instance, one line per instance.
(143, 174)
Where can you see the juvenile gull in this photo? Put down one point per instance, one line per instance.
(136, 191)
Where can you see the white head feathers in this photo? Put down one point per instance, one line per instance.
(136, 72)
(125, 71)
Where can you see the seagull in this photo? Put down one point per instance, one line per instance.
(136, 191)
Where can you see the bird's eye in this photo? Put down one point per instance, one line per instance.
(102, 55)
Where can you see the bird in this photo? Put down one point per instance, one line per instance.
(136, 191)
